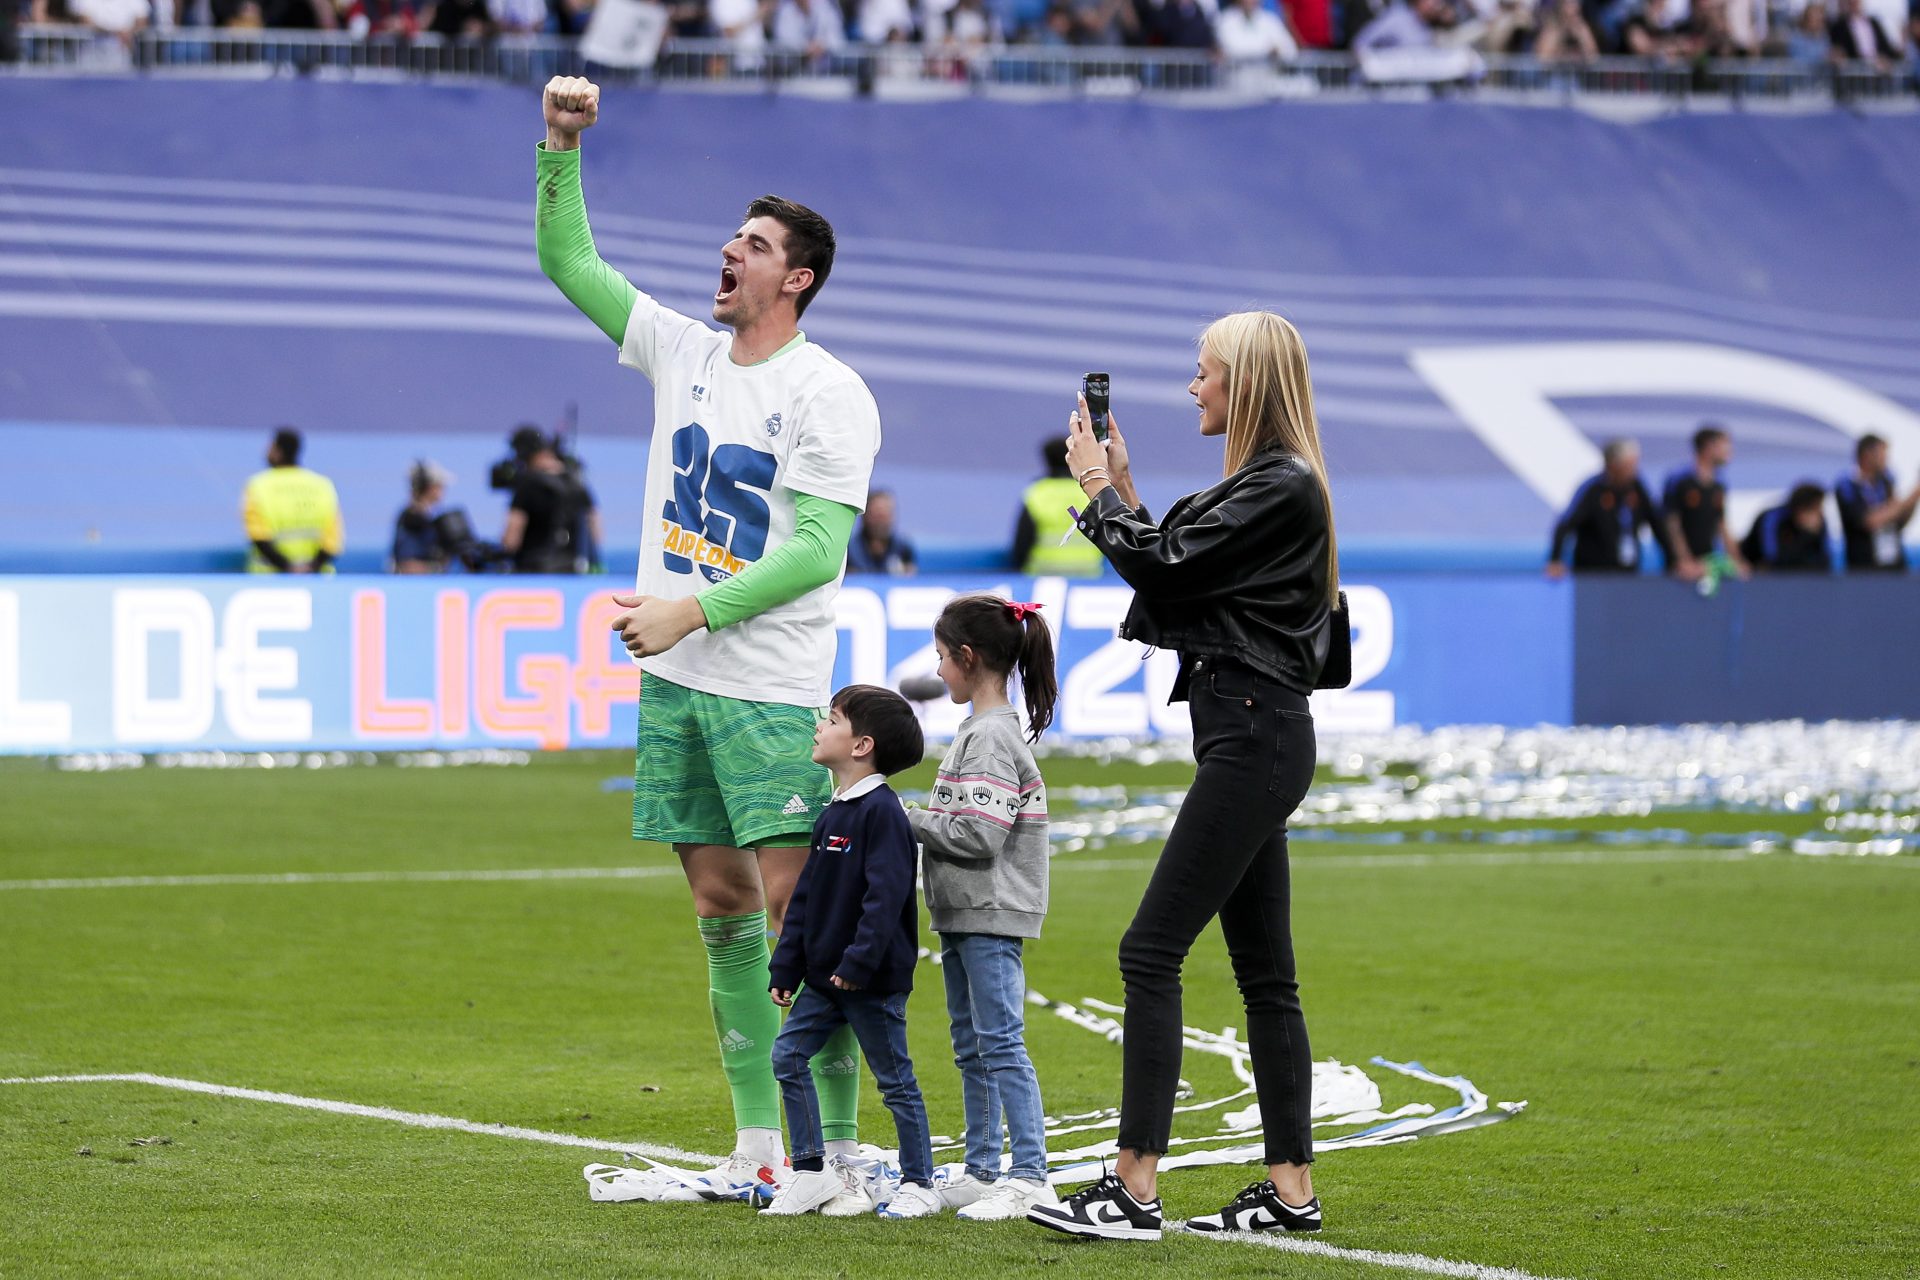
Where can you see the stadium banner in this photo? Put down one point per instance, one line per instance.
(162, 664)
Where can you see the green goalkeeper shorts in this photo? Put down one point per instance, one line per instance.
(714, 770)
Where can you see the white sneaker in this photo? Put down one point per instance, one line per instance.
(856, 1191)
(614, 1184)
(962, 1191)
(738, 1177)
(1007, 1199)
(805, 1192)
(912, 1201)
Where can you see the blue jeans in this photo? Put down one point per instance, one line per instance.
(987, 1002)
(879, 1022)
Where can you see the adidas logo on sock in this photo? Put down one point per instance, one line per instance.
(796, 805)
(734, 1041)
(844, 1065)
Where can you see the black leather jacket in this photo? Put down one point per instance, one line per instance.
(1236, 571)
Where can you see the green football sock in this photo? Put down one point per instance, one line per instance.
(743, 1017)
(836, 1080)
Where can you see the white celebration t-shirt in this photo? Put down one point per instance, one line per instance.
(732, 445)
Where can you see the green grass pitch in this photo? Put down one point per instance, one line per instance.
(1721, 1057)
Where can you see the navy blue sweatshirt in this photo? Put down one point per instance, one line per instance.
(853, 912)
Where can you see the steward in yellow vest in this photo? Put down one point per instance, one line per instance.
(292, 514)
(1044, 522)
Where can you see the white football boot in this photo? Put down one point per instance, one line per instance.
(856, 1198)
(807, 1191)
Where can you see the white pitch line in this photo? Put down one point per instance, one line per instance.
(417, 1119)
(346, 877)
(1419, 1262)
(423, 1120)
(1070, 862)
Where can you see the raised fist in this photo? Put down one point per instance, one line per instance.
(570, 103)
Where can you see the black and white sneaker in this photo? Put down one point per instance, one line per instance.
(1106, 1211)
(1260, 1208)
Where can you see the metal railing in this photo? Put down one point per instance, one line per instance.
(921, 71)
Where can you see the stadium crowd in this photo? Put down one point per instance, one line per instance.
(1880, 34)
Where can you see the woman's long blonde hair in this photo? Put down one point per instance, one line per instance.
(1270, 400)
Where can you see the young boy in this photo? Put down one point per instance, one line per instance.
(852, 937)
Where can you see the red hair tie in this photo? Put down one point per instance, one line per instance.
(1020, 610)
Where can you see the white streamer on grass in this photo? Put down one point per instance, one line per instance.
(1343, 1095)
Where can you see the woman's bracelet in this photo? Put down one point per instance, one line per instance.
(1089, 473)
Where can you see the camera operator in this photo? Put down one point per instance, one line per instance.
(552, 524)
(430, 536)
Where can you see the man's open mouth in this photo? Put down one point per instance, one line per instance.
(729, 283)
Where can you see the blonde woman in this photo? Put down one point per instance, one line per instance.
(1240, 579)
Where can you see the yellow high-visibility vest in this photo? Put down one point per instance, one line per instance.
(1047, 501)
(296, 510)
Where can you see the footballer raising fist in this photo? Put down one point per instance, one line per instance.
(570, 103)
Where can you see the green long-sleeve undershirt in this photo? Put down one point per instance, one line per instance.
(815, 553)
(566, 247)
(811, 558)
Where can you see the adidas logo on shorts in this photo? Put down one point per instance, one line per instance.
(796, 805)
(735, 1041)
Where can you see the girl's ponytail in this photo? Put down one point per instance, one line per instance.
(1007, 636)
(1037, 681)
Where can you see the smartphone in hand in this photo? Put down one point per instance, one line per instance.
(1094, 386)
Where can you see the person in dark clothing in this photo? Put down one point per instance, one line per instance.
(877, 546)
(1872, 513)
(1175, 24)
(1606, 516)
(1240, 580)
(1857, 36)
(457, 19)
(551, 509)
(1791, 537)
(429, 536)
(849, 946)
(1693, 508)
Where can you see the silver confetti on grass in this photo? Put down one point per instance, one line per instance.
(1845, 778)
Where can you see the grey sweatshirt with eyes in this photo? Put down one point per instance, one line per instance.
(984, 832)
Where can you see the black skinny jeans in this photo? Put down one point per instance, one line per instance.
(1226, 856)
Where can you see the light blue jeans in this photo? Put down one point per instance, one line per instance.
(987, 1002)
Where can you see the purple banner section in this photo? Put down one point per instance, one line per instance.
(1485, 292)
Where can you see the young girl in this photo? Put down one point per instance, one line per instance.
(985, 870)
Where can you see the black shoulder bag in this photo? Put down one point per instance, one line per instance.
(1338, 672)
